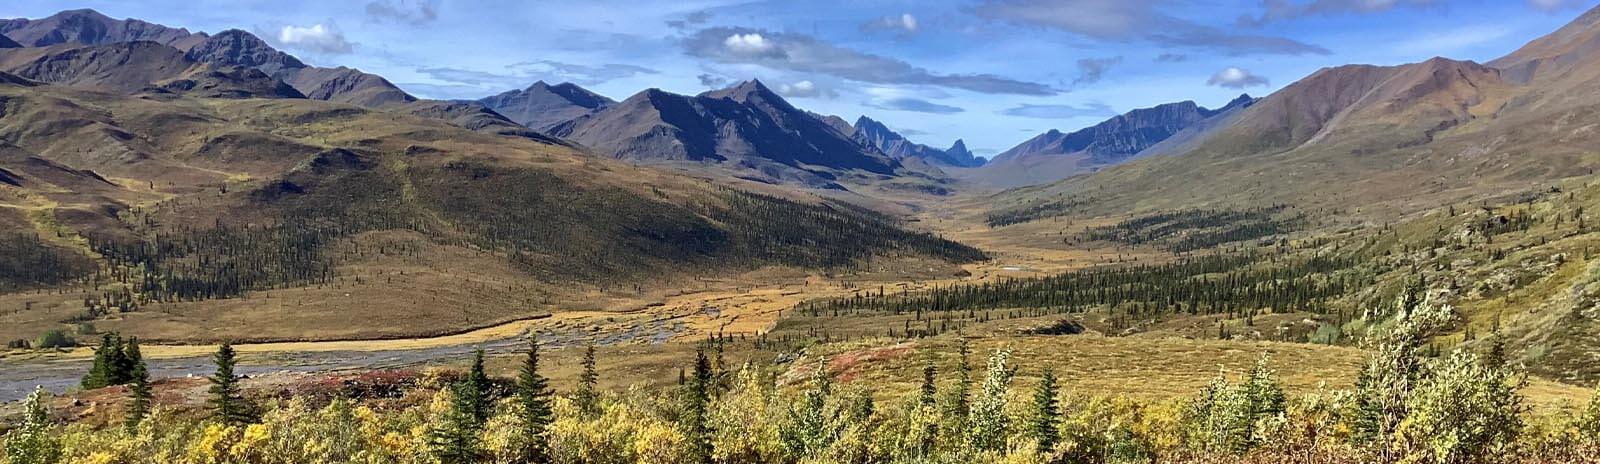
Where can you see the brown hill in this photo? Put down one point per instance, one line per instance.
(115, 67)
(302, 199)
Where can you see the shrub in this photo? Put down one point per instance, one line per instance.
(54, 338)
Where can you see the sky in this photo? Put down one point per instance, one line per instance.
(992, 72)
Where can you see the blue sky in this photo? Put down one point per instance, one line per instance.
(994, 72)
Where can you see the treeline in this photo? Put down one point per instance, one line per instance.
(1235, 284)
(1035, 211)
(1197, 229)
(227, 261)
(552, 228)
(28, 262)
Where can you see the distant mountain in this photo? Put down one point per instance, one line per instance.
(899, 147)
(542, 106)
(748, 125)
(961, 156)
(1054, 155)
(89, 27)
(6, 42)
(230, 48)
(1385, 139)
(345, 85)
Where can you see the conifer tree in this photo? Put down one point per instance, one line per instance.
(477, 391)
(956, 404)
(697, 398)
(110, 367)
(138, 387)
(453, 437)
(929, 392)
(533, 392)
(1047, 412)
(586, 397)
(227, 405)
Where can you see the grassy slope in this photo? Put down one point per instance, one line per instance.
(403, 225)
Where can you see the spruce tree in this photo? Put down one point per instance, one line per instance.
(929, 391)
(1047, 412)
(227, 405)
(138, 387)
(453, 438)
(533, 392)
(697, 399)
(477, 392)
(586, 397)
(108, 364)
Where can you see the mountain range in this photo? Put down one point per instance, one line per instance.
(1055, 155)
(898, 147)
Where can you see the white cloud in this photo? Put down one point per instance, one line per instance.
(315, 38)
(749, 44)
(1236, 78)
(805, 89)
(905, 24)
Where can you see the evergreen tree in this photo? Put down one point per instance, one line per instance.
(138, 387)
(928, 393)
(110, 366)
(478, 390)
(1046, 412)
(697, 399)
(32, 442)
(587, 398)
(956, 404)
(227, 405)
(453, 437)
(533, 392)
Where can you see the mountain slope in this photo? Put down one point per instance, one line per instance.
(542, 106)
(747, 124)
(898, 147)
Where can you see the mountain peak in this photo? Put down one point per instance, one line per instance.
(542, 106)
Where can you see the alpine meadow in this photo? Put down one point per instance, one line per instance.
(728, 232)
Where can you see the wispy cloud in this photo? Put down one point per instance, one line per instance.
(904, 23)
(1059, 111)
(914, 105)
(805, 89)
(802, 53)
(1284, 10)
(414, 12)
(1136, 20)
(1090, 70)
